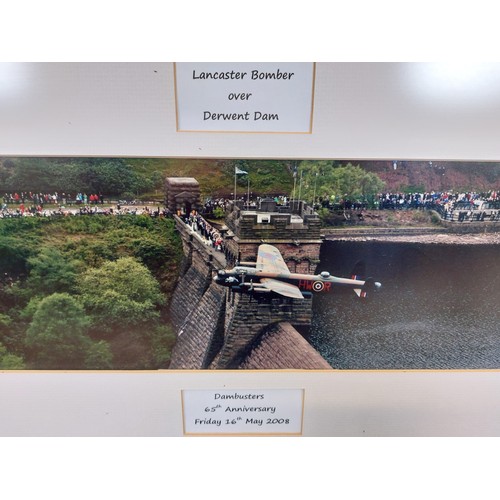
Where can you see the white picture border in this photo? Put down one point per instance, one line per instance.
(127, 109)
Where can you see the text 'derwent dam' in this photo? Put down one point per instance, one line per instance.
(244, 97)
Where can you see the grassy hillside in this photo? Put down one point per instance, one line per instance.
(216, 177)
(436, 176)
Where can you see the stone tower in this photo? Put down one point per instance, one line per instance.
(182, 194)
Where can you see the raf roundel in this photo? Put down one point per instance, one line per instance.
(318, 286)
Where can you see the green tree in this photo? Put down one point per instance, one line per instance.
(5, 329)
(218, 213)
(10, 361)
(14, 254)
(57, 336)
(5, 323)
(162, 342)
(157, 179)
(51, 272)
(40, 175)
(120, 294)
(99, 356)
(333, 182)
(112, 176)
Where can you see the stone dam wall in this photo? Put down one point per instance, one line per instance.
(220, 329)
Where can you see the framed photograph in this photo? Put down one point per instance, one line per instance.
(336, 282)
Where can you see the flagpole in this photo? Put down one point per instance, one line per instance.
(315, 183)
(294, 187)
(236, 172)
(300, 185)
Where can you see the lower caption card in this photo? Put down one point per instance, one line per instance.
(269, 411)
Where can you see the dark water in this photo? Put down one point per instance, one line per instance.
(438, 307)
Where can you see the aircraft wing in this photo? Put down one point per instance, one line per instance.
(269, 259)
(282, 288)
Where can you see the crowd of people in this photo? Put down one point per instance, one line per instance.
(27, 203)
(212, 204)
(448, 200)
(248, 202)
(452, 206)
(209, 234)
(418, 200)
(22, 204)
(41, 199)
(22, 210)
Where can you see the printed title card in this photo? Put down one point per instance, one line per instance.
(268, 411)
(244, 97)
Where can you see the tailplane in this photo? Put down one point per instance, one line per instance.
(370, 286)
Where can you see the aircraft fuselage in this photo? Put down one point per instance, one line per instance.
(247, 278)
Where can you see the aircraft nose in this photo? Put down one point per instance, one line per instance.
(220, 277)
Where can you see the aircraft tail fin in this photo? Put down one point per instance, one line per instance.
(359, 271)
(368, 288)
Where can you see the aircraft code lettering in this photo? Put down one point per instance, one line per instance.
(315, 286)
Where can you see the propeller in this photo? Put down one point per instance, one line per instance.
(242, 275)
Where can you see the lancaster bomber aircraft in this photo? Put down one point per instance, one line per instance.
(271, 275)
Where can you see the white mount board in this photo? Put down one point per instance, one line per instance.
(362, 110)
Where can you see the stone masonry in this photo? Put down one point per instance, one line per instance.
(297, 236)
(282, 347)
(197, 306)
(221, 329)
(248, 318)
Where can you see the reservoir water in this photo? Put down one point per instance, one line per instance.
(438, 307)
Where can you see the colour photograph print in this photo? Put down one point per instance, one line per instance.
(216, 264)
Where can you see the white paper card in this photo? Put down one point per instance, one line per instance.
(244, 97)
(268, 411)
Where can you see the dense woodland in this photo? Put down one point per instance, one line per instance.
(86, 292)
